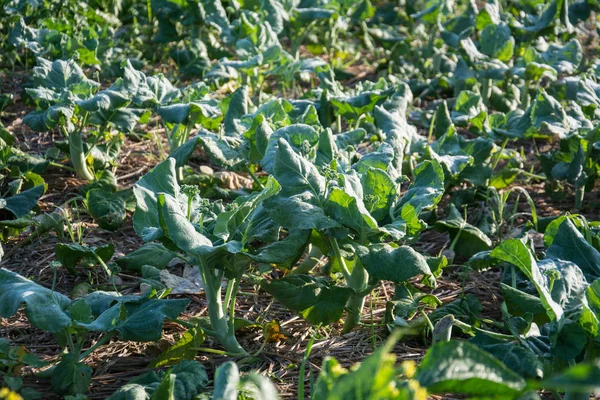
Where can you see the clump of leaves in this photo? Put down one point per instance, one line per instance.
(137, 318)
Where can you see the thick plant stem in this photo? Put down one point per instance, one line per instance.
(486, 91)
(224, 332)
(358, 281)
(312, 260)
(78, 157)
(525, 99)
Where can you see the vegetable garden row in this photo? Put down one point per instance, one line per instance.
(385, 172)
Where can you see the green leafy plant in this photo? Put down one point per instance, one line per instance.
(69, 101)
(71, 321)
(212, 237)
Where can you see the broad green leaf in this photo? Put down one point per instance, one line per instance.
(327, 149)
(165, 389)
(147, 91)
(297, 175)
(470, 239)
(466, 308)
(384, 262)
(107, 208)
(206, 113)
(58, 75)
(72, 254)
(258, 135)
(513, 251)
(570, 342)
(192, 61)
(453, 164)
(301, 137)
(140, 320)
(382, 159)
(593, 296)
(569, 287)
(71, 376)
(230, 223)
(403, 308)
(311, 14)
(49, 118)
(581, 379)
(296, 213)
(123, 119)
(350, 138)
(105, 180)
(423, 194)
(435, 9)
(570, 245)
(223, 150)
(497, 42)
(379, 192)
(186, 380)
(229, 257)
(535, 71)
(178, 228)
(547, 17)
(258, 387)
(277, 112)
(548, 116)
(105, 100)
(314, 298)
(45, 309)
(564, 59)
(161, 179)
(461, 367)
(154, 254)
(101, 301)
(349, 210)
(399, 135)
(469, 109)
(131, 391)
(519, 359)
(285, 252)
(237, 107)
(276, 14)
(227, 379)
(352, 108)
(261, 227)
(20, 204)
(520, 303)
(443, 121)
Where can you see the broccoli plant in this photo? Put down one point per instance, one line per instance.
(220, 240)
(70, 102)
(137, 318)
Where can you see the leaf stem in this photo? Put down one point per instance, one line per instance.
(499, 156)
(469, 328)
(219, 352)
(302, 371)
(58, 165)
(103, 340)
(224, 331)
(253, 176)
(338, 255)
